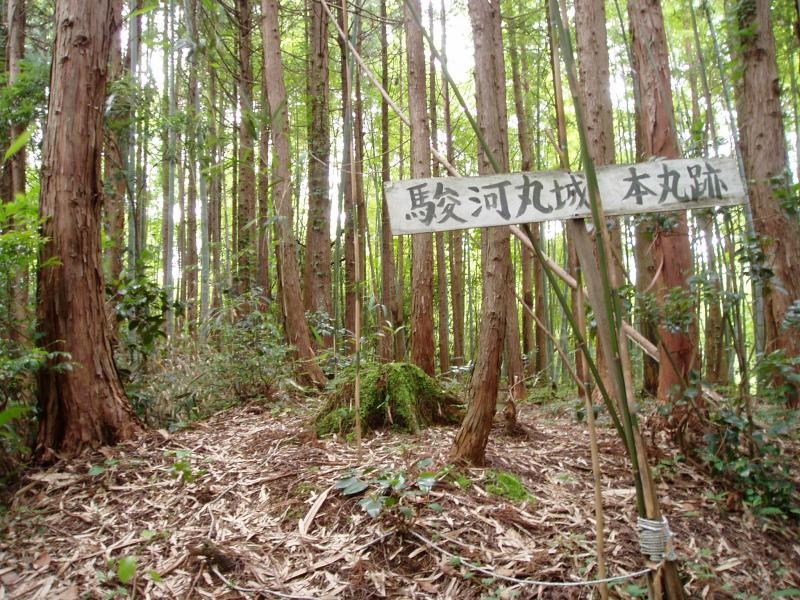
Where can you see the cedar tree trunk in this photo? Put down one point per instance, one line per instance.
(764, 152)
(317, 291)
(296, 327)
(658, 138)
(83, 406)
(471, 439)
(422, 344)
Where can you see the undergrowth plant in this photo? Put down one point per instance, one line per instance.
(394, 492)
(753, 457)
(245, 360)
(21, 357)
(507, 485)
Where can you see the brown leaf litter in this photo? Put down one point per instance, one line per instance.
(244, 505)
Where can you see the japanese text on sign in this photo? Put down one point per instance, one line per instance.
(440, 204)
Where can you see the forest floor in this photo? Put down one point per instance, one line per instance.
(245, 504)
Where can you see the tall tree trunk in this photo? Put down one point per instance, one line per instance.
(526, 151)
(359, 200)
(84, 406)
(715, 363)
(513, 351)
(114, 167)
(764, 152)
(441, 260)
(657, 137)
(387, 346)
(645, 274)
(401, 353)
(181, 200)
(16, 15)
(348, 191)
(470, 442)
(540, 362)
(563, 156)
(455, 237)
(263, 280)
(190, 256)
(317, 290)
(592, 45)
(198, 164)
(168, 226)
(215, 197)
(297, 331)
(246, 211)
(422, 344)
(134, 233)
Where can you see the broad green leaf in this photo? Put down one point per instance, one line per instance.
(424, 463)
(371, 506)
(407, 511)
(351, 486)
(126, 570)
(770, 510)
(18, 143)
(148, 534)
(787, 593)
(95, 470)
(398, 482)
(435, 507)
(426, 481)
(12, 412)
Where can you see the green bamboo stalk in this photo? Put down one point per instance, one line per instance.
(611, 300)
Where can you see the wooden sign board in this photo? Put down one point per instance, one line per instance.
(445, 203)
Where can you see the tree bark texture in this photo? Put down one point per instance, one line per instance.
(317, 291)
(593, 70)
(515, 370)
(764, 152)
(390, 317)
(297, 332)
(190, 270)
(443, 325)
(348, 189)
(263, 279)
(84, 406)
(16, 23)
(246, 207)
(526, 151)
(658, 138)
(456, 255)
(422, 344)
(170, 150)
(470, 442)
(114, 169)
(215, 198)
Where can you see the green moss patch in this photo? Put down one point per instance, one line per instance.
(501, 483)
(393, 395)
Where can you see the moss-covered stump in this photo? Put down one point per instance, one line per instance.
(393, 395)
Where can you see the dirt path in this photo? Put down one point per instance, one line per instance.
(245, 505)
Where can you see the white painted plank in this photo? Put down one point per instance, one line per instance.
(445, 203)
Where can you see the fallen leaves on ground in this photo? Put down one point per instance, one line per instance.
(245, 505)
